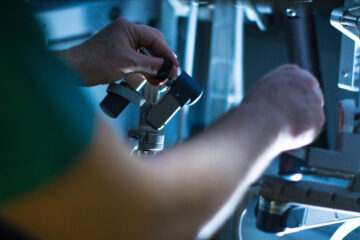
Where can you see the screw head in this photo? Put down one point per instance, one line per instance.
(290, 12)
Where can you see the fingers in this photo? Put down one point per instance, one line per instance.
(295, 102)
(318, 95)
(311, 84)
(153, 39)
(150, 67)
(306, 81)
(314, 99)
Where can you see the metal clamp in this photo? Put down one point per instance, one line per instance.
(128, 93)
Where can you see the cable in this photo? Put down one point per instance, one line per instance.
(241, 223)
(345, 229)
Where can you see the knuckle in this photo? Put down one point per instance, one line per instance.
(120, 21)
(155, 67)
(318, 119)
(159, 33)
(156, 31)
(322, 118)
(148, 27)
(291, 67)
(311, 81)
(144, 26)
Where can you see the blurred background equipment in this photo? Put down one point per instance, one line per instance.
(226, 45)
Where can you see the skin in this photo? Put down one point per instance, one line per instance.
(113, 53)
(109, 194)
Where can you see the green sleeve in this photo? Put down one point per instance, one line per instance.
(45, 121)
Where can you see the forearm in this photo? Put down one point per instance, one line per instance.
(109, 194)
(105, 195)
(205, 171)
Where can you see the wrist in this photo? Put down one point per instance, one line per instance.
(68, 57)
(248, 136)
(262, 124)
(73, 58)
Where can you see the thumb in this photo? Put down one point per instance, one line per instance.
(146, 64)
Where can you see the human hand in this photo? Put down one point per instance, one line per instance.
(290, 100)
(114, 53)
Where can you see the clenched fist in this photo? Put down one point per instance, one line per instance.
(290, 100)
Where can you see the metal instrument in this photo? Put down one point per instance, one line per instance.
(182, 91)
(327, 188)
(155, 111)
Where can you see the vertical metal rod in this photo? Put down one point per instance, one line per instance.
(188, 63)
(302, 45)
(301, 37)
(151, 94)
(238, 62)
(147, 137)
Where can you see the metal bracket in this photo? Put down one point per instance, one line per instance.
(149, 139)
(127, 93)
(347, 21)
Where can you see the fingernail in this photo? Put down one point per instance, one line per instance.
(174, 72)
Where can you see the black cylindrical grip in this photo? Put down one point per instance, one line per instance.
(270, 223)
(113, 105)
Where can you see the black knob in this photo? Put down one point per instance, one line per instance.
(271, 215)
(270, 222)
(112, 105)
